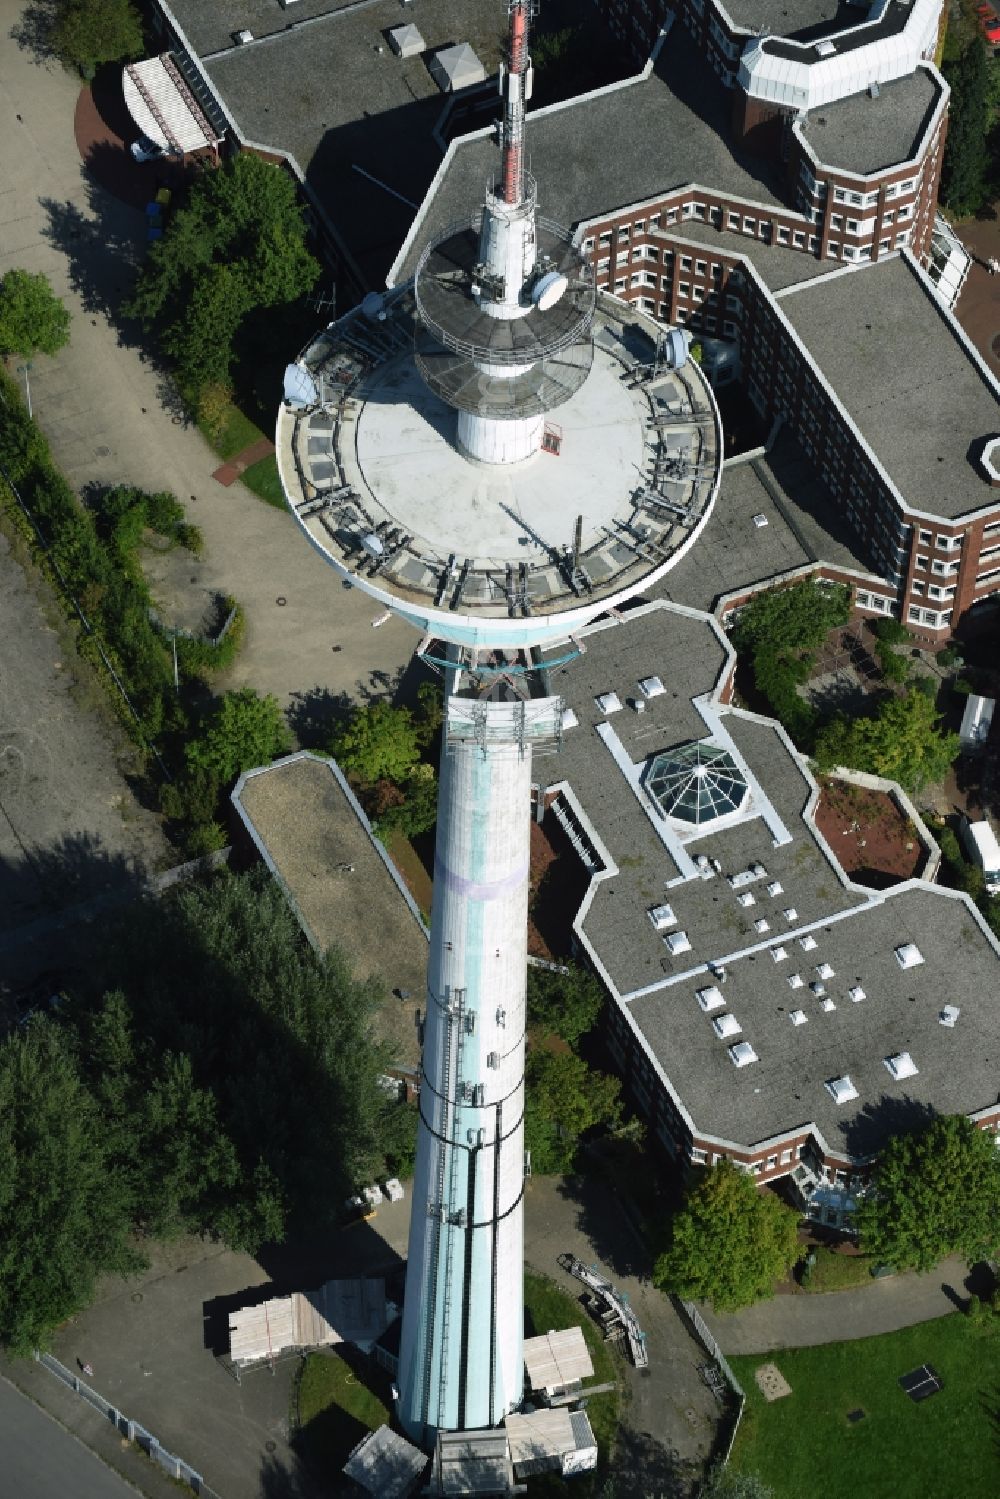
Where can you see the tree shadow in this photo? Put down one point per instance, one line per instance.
(76, 869)
(102, 256)
(315, 716)
(877, 1122)
(32, 31)
(280, 1480)
(602, 1219)
(643, 1466)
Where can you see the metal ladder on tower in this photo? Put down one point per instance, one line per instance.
(437, 1214)
(456, 1022)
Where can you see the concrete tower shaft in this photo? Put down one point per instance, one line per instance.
(461, 1354)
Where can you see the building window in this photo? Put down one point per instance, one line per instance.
(732, 221)
(605, 238)
(833, 250)
(749, 226)
(782, 235)
(685, 262)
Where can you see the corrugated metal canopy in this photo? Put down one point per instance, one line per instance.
(163, 106)
(557, 1359)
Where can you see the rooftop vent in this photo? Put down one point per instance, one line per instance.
(726, 1025)
(758, 871)
(760, 521)
(949, 1015)
(608, 702)
(824, 971)
(746, 899)
(900, 1066)
(778, 954)
(824, 48)
(827, 1004)
(775, 888)
(841, 1089)
(795, 981)
(569, 719)
(678, 942)
(818, 989)
(662, 917)
(651, 687)
(710, 998)
(908, 955)
(243, 38)
(790, 913)
(740, 878)
(761, 926)
(857, 993)
(704, 866)
(637, 704)
(798, 1017)
(742, 1054)
(808, 942)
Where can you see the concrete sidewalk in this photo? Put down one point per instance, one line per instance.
(840, 1316)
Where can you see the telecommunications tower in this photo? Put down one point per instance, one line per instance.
(418, 454)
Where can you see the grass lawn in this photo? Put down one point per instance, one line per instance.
(235, 433)
(263, 479)
(337, 1403)
(836, 1272)
(943, 1448)
(547, 1307)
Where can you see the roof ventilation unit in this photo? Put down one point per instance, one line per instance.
(841, 1089)
(726, 1025)
(569, 719)
(243, 38)
(662, 917)
(651, 687)
(908, 955)
(824, 48)
(808, 942)
(678, 942)
(795, 981)
(674, 348)
(637, 704)
(775, 888)
(746, 899)
(818, 989)
(824, 971)
(758, 871)
(740, 878)
(778, 954)
(948, 1016)
(799, 1017)
(608, 702)
(857, 993)
(790, 913)
(900, 1066)
(760, 521)
(873, 89)
(742, 1054)
(710, 998)
(761, 926)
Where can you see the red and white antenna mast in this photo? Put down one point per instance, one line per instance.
(516, 85)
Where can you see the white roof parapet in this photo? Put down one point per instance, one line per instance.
(794, 75)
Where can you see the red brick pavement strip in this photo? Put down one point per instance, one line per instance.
(230, 471)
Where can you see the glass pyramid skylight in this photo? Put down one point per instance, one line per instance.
(697, 784)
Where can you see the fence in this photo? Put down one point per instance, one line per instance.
(176, 1467)
(705, 1337)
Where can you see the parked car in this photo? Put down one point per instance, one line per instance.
(989, 25)
(146, 150)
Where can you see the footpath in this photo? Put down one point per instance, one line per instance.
(841, 1316)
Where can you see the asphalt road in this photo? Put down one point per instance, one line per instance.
(42, 1461)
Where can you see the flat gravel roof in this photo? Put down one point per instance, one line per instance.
(899, 366)
(861, 134)
(340, 888)
(784, 1089)
(790, 17)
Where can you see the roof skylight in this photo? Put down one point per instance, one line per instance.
(697, 784)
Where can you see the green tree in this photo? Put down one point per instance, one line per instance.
(564, 1004)
(88, 32)
(63, 1210)
(32, 318)
(729, 1242)
(237, 246)
(778, 631)
(965, 169)
(903, 741)
(936, 1192)
(378, 742)
(411, 808)
(565, 1098)
(242, 730)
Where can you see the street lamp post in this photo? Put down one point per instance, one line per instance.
(22, 369)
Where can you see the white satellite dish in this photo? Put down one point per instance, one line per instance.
(372, 545)
(300, 387)
(548, 289)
